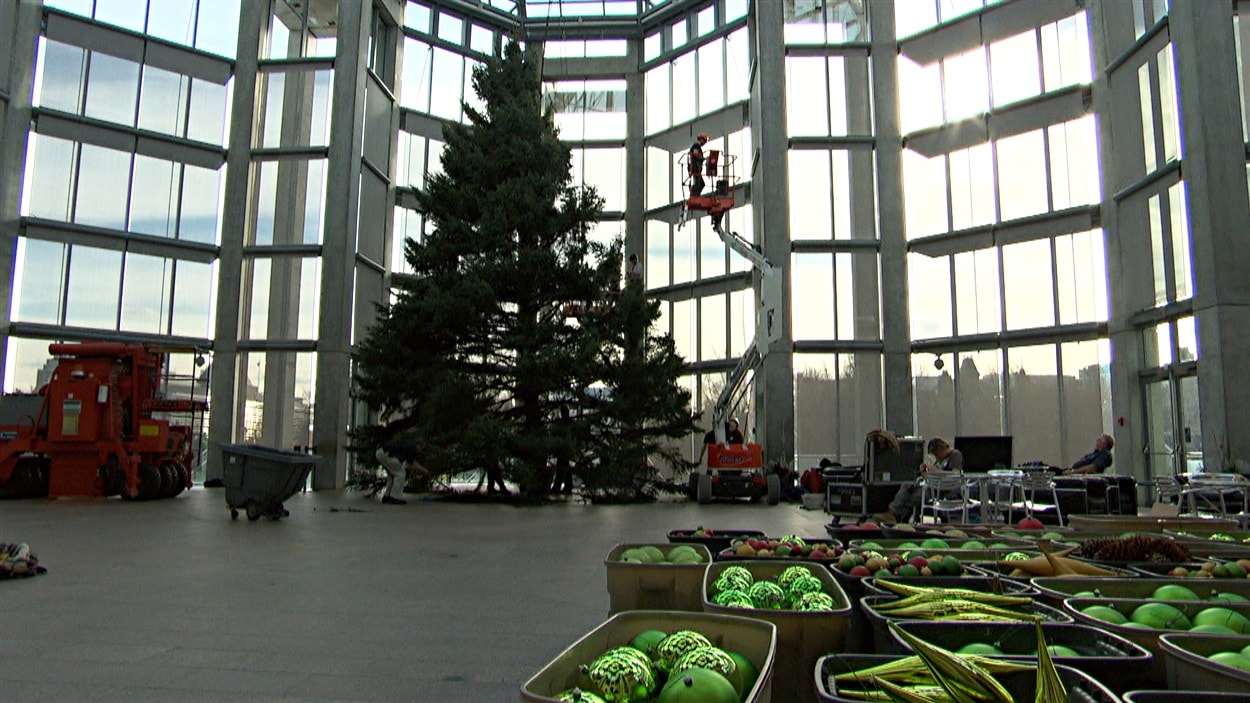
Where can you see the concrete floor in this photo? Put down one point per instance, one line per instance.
(346, 600)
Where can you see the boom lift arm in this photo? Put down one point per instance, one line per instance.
(766, 277)
(767, 282)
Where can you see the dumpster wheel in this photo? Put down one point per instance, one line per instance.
(253, 510)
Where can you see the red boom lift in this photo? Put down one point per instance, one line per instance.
(100, 427)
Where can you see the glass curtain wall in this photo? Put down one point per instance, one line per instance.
(122, 193)
(1006, 261)
(1007, 265)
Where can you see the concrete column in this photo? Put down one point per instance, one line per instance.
(774, 381)
(635, 159)
(1214, 169)
(895, 324)
(1125, 225)
(20, 22)
(224, 403)
(338, 262)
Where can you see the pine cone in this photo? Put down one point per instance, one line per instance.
(1139, 548)
(1090, 548)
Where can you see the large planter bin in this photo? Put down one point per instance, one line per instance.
(802, 636)
(993, 567)
(860, 632)
(1202, 532)
(1201, 545)
(1082, 688)
(1189, 668)
(1055, 589)
(1202, 548)
(1111, 659)
(954, 544)
(1119, 524)
(905, 530)
(1159, 570)
(854, 585)
(883, 640)
(967, 556)
(972, 582)
(1186, 696)
(1011, 532)
(845, 533)
(258, 479)
(752, 638)
(655, 586)
(1150, 639)
(835, 550)
(715, 542)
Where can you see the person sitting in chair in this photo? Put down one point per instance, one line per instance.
(1096, 461)
(946, 460)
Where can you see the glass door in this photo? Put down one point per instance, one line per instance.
(1162, 445)
(1190, 456)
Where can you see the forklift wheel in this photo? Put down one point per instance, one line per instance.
(45, 481)
(774, 489)
(25, 479)
(253, 511)
(177, 479)
(149, 482)
(168, 479)
(705, 488)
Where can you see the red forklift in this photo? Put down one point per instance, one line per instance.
(101, 426)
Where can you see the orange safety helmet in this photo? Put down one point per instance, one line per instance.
(702, 137)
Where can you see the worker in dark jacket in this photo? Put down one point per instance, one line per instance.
(694, 165)
(399, 456)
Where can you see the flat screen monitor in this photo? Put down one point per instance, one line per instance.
(984, 453)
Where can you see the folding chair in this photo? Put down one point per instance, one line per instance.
(1034, 482)
(943, 493)
(1003, 488)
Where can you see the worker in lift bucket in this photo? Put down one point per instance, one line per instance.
(695, 165)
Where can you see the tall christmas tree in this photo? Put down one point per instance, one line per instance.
(477, 354)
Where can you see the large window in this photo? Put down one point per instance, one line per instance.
(103, 87)
(290, 200)
(698, 82)
(207, 25)
(839, 296)
(591, 109)
(837, 402)
(295, 108)
(106, 289)
(832, 22)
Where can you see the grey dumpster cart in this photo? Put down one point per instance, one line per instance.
(258, 479)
